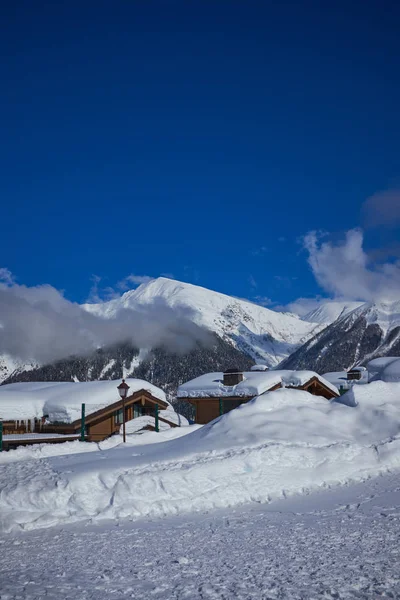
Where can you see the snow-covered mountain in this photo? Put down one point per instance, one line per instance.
(12, 366)
(368, 331)
(327, 312)
(241, 333)
(261, 333)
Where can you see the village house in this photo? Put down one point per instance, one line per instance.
(356, 373)
(52, 412)
(214, 394)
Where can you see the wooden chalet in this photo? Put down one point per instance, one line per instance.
(215, 394)
(99, 424)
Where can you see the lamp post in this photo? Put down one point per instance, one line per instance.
(123, 392)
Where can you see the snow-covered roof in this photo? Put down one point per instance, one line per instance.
(254, 384)
(385, 369)
(378, 366)
(339, 379)
(62, 401)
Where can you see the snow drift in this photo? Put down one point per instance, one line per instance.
(386, 368)
(280, 443)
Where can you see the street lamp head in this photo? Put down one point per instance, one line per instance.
(123, 389)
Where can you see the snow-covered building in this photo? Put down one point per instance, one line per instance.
(214, 394)
(55, 408)
(344, 380)
(385, 368)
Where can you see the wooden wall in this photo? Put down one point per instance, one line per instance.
(102, 429)
(207, 409)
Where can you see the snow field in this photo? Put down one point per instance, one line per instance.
(279, 444)
(337, 544)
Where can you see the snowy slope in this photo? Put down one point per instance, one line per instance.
(12, 366)
(279, 444)
(262, 333)
(367, 332)
(328, 312)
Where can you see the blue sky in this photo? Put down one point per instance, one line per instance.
(199, 139)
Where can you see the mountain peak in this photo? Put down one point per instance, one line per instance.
(262, 333)
(368, 331)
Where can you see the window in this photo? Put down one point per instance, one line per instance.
(137, 410)
(118, 416)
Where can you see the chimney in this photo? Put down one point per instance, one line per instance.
(232, 377)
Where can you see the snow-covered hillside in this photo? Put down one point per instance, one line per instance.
(258, 331)
(329, 311)
(369, 331)
(10, 366)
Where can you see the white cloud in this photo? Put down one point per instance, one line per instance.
(133, 281)
(263, 301)
(344, 271)
(6, 276)
(94, 292)
(39, 323)
(302, 306)
(98, 293)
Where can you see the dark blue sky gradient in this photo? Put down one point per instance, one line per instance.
(155, 137)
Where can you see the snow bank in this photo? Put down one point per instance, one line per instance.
(140, 423)
(62, 401)
(39, 451)
(254, 384)
(385, 369)
(376, 396)
(173, 417)
(280, 443)
(378, 365)
(391, 372)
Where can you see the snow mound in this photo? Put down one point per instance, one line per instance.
(39, 451)
(386, 368)
(280, 443)
(378, 395)
(63, 401)
(376, 366)
(168, 418)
